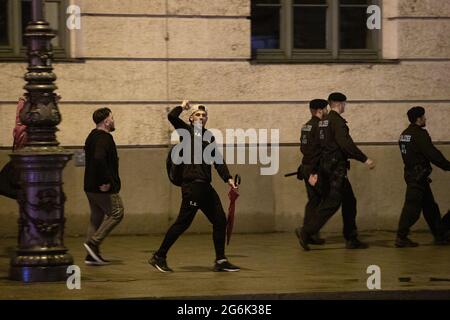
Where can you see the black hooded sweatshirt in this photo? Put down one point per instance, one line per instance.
(102, 162)
(197, 172)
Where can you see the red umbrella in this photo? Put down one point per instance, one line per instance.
(232, 195)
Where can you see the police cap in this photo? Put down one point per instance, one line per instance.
(337, 97)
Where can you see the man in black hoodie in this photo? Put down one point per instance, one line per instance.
(418, 152)
(101, 184)
(196, 189)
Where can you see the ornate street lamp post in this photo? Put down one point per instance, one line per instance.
(41, 255)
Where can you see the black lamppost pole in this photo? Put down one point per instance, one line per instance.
(40, 255)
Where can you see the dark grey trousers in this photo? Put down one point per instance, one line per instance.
(106, 213)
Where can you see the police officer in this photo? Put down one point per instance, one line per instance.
(310, 148)
(446, 221)
(197, 192)
(337, 148)
(417, 152)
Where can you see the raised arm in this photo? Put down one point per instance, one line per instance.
(174, 115)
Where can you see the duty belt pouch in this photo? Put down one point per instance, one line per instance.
(422, 173)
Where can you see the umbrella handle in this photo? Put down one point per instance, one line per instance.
(237, 179)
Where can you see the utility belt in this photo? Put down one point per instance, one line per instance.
(329, 162)
(419, 173)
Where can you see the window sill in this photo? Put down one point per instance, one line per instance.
(324, 61)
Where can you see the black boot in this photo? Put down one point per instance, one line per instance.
(405, 242)
(303, 239)
(354, 243)
(316, 240)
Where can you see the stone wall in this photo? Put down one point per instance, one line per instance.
(142, 57)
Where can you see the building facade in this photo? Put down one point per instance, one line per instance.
(255, 64)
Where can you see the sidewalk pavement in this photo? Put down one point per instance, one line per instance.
(273, 267)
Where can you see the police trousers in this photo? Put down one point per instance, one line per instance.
(419, 197)
(336, 191)
(314, 196)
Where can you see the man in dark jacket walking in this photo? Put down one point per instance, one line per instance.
(418, 152)
(337, 148)
(196, 189)
(101, 184)
(311, 150)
